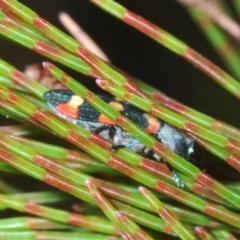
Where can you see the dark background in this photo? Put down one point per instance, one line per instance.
(140, 56)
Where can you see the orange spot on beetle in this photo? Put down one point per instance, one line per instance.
(68, 110)
(153, 124)
(103, 119)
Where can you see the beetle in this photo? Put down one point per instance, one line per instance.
(75, 109)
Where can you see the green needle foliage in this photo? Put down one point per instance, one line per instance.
(80, 187)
